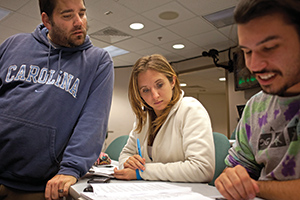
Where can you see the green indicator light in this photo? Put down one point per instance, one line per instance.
(253, 78)
(241, 81)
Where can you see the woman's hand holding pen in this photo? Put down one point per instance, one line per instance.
(132, 166)
(135, 162)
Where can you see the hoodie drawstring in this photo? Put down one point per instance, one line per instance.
(59, 60)
(48, 61)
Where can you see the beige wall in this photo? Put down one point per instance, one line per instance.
(221, 107)
(121, 116)
(216, 106)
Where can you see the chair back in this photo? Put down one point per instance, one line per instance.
(222, 146)
(115, 147)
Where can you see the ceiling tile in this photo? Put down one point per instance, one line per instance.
(99, 43)
(159, 37)
(133, 44)
(148, 25)
(154, 50)
(31, 9)
(207, 38)
(119, 12)
(13, 5)
(142, 5)
(27, 24)
(191, 27)
(184, 14)
(133, 57)
(203, 7)
(230, 32)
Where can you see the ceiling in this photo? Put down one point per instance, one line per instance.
(158, 35)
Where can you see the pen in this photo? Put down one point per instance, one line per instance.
(139, 148)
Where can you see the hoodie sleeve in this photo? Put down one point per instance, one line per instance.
(89, 133)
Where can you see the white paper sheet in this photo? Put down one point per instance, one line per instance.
(146, 191)
(104, 170)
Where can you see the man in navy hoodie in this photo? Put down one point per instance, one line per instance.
(55, 98)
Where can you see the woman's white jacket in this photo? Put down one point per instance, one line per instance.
(183, 150)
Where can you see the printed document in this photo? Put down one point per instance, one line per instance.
(145, 191)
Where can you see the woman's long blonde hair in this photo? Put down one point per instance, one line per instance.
(139, 106)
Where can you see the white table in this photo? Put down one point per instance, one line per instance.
(201, 188)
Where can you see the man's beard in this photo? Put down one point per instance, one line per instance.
(60, 37)
(280, 91)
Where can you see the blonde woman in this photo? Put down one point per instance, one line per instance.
(174, 131)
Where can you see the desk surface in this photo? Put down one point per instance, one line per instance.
(201, 188)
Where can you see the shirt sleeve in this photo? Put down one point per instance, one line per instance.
(241, 152)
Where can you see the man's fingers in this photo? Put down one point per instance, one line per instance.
(229, 188)
(235, 183)
(221, 187)
(59, 186)
(247, 182)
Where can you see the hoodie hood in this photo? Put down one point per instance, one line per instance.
(40, 34)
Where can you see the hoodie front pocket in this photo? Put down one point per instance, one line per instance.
(27, 149)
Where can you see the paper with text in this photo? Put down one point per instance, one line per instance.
(132, 191)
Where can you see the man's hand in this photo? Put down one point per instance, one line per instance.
(125, 174)
(235, 183)
(59, 186)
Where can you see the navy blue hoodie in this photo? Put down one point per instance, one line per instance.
(54, 109)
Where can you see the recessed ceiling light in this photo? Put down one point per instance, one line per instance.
(183, 84)
(222, 79)
(168, 15)
(136, 26)
(178, 46)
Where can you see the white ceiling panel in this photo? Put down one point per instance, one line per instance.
(204, 7)
(118, 12)
(207, 38)
(133, 44)
(13, 5)
(148, 25)
(185, 29)
(31, 9)
(143, 5)
(158, 35)
(184, 14)
(27, 24)
(154, 50)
